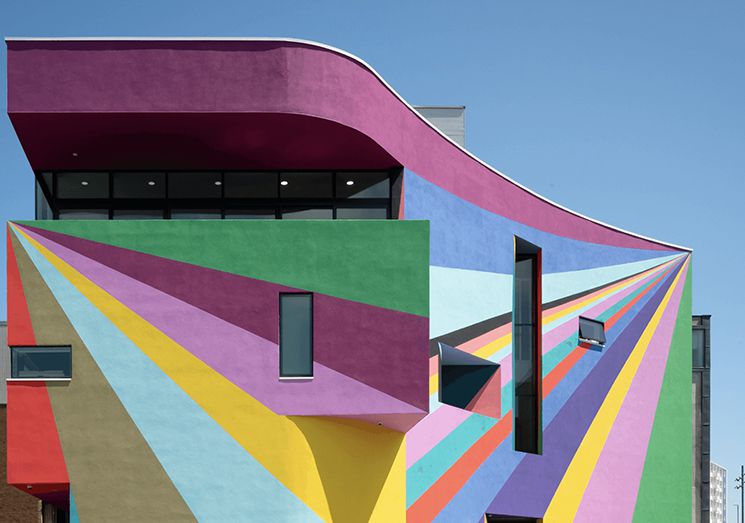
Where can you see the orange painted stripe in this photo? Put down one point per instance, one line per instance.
(432, 502)
(617, 316)
(20, 330)
(442, 491)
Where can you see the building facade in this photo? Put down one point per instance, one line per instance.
(262, 287)
(717, 494)
(701, 343)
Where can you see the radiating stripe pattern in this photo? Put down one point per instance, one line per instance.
(599, 406)
(181, 350)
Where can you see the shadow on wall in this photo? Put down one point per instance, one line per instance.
(362, 467)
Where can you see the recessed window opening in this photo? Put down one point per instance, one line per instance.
(526, 348)
(295, 335)
(591, 331)
(43, 362)
(317, 195)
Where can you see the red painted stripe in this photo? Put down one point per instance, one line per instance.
(20, 330)
(444, 489)
(34, 450)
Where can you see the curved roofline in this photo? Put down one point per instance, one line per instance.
(382, 80)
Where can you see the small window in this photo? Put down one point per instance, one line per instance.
(139, 185)
(591, 331)
(251, 185)
(82, 185)
(41, 362)
(250, 214)
(469, 382)
(361, 213)
(195, 185)
(84, 214)
(305, 185)
(307, 214)
(363, 185)
(138, 214)
(295, 335)
(195, 214)
(526, 348)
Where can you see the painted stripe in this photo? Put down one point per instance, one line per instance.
(615, 480)
(20, 330)
(198, 467)
(566, 499)
(450, 446)
(460, 298)
(225, 347)
(553, 403)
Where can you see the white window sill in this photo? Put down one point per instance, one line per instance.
(38, 379)
(296, 378)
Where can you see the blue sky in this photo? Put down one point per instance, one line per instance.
(630, 112)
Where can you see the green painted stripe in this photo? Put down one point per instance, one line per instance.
(665, 487)
(383, 263)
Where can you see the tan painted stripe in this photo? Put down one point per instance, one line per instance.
(114, 474)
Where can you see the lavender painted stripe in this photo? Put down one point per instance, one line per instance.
(560, 333)
(615, 480)
(247, 360)
(532, 484)
(430, 431)
(389, 347)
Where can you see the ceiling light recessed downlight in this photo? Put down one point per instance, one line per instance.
(218, 182)
(284, 182)
(84, 183)
(350, 182)
(151, 183)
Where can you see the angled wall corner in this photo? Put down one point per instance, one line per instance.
(469, 382)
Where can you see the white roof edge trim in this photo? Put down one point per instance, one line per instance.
(378, 76)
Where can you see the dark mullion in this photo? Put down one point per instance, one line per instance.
(111, 195)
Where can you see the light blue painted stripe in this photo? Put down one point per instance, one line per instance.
(434, 404)
(465, 236)
(74, 518)
(443, 455)
(473, 499)
(460, 298)
(217, 478)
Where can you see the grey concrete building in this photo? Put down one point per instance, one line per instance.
(701, 325)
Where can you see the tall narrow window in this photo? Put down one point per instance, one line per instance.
(295, 335)
(526, 347)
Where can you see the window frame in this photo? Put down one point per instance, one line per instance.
(524, 250)
(220, 204)
(591, 341)
(13, 355)
(291, 377)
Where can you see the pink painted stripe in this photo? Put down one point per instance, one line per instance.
(558, 334)
(247, 360)
(611, 494)
(431, 430)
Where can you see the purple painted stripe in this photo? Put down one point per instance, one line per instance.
(383, 348)
(431, 430)
(531, 486)
(611, 494)
(247, 360)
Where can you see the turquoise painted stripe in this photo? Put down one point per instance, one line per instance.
(74, 518)
(442, 456)
(216, 477)
(463, 297)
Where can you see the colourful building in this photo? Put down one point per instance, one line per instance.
(262, 287)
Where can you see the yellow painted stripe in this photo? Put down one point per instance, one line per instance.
(495, 346)
(568, 495)
(318, 459)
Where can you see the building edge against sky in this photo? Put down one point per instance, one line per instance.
(371, 360)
